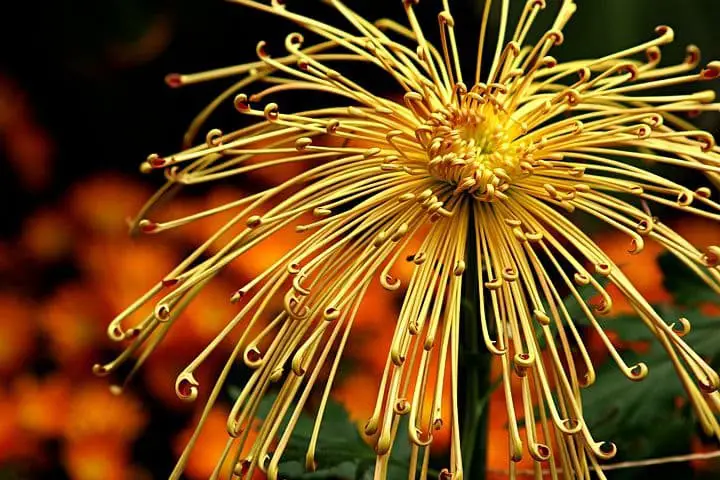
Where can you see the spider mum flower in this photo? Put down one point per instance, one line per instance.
(493, 163)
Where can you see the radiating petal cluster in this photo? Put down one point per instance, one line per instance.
(500, 163)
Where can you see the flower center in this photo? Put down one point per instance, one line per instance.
(475, 150)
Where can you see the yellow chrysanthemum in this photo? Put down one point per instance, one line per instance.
(501, 158)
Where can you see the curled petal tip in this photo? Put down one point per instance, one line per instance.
(147, 226)
(666, 33)
(174, 80)
(638, 371)
(389, 282)
(186, 387)
(254, 221)
(271, 112)
(294, 41)
(692, 55)
(115, 332)
(260, 49)
(605, 450)
(241, 102)
(156, 161)
(540, 452)
(711, 71)
(446, 474)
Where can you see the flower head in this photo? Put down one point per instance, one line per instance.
(494, 163)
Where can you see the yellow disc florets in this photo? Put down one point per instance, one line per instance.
(475, 149)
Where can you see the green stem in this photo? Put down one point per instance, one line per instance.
(474, 376)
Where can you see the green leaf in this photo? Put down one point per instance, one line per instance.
(642, 417)
(682, 283)
(341, 452)
(630, 328)
(586, 292)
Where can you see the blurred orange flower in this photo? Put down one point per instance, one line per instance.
(47, 235)
(258, 258)
(42, 404)
(699, 231)
(17, 333)
(15, 442)
(103, 203)
(702, 233)
(96, 413)
(275, 175)
(197, 232)
(711, 309)
(210, 446)
(357, 393)
(74, 322)
(371, 332)
(30, 150)
(27, 146)
(209, 312)
(89, 459)
(642, 270)
(704, 467)
(122, 269)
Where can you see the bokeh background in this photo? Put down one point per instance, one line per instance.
(82, 103)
